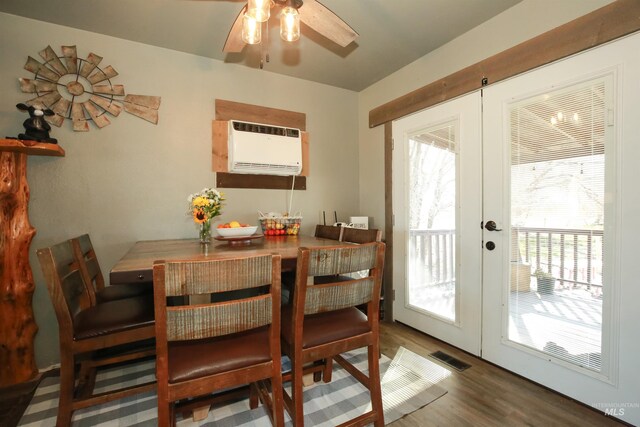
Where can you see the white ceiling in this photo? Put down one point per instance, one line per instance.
(392, 33)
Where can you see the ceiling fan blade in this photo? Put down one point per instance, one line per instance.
(327, 23)
(234, 41)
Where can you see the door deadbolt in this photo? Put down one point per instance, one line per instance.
(490, 245)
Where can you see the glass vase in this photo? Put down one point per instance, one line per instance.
(205, 232)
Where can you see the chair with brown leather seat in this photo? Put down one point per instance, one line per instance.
(87, 331)
(352, 235)
(92, 275)
(328, 232)
(220, 345)
(360, 235)
(323, 322)
(288, 277)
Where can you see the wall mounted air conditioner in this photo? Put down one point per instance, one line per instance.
(264, 149)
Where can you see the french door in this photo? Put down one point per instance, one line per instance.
(512, 239)
(437, 211)
(552, 162)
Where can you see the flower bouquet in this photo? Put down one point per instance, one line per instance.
(203, 207)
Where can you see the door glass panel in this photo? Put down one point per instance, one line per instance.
(432, 220)
(557, 222)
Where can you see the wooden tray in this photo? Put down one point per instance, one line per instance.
(239, 241)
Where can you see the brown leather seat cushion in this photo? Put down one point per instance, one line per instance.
(113, 316)
(326, 327)
(200, 358)
(126, 290)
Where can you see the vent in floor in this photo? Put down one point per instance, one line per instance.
(459, 365)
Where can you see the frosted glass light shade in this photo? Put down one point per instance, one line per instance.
(289, 24)
(251, 30)
(260, 10)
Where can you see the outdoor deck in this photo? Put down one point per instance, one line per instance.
(566, 323)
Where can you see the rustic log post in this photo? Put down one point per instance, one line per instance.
(17, 324)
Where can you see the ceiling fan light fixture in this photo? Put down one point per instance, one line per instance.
(251, 30)
(290, 24)
(260, 10)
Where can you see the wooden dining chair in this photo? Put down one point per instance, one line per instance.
(352, 235)
(360, 235)
(328, 232)
(323, 322)
(220, 345)
(85, 329)
(92, 275)
(288, 277)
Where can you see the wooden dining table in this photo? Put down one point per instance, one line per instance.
(137, 264)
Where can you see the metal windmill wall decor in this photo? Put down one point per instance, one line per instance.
(79, 90)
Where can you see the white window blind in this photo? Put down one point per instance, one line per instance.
(557, 219)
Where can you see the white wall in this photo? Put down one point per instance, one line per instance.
(516, 25)
(129, 181)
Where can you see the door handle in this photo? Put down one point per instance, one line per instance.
(491, 226)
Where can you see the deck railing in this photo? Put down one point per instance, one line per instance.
(436, 250)
(572, 256)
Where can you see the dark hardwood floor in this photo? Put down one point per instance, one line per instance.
(14, 400)
(483, 395)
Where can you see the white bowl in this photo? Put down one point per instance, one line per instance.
(237, 232)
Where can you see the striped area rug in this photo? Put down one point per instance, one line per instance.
(408, 383)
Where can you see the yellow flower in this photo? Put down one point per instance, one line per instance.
(199, 216)
(200, 202)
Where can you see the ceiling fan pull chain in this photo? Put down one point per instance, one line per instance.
(262, 54)
(266, 40)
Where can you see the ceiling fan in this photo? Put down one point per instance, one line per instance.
(246, 29)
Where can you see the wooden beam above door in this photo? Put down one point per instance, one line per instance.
(603, 25)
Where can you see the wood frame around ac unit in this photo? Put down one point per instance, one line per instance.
(230, 110)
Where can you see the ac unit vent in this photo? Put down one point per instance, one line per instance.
(264, 149)
(265, 129)
(290, 170)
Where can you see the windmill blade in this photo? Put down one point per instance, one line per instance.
(33, 86)
(324, 21)
(61, 108)
(90, 64)
(146, 113)
(102, 75)
(52, 59)
(71, 58)
(152, 102)
(41, 70)
(99, 119)
(55, 120)
(109, 89)
(113, 107)
(44, 101)
(234, 41)
(78, 118)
